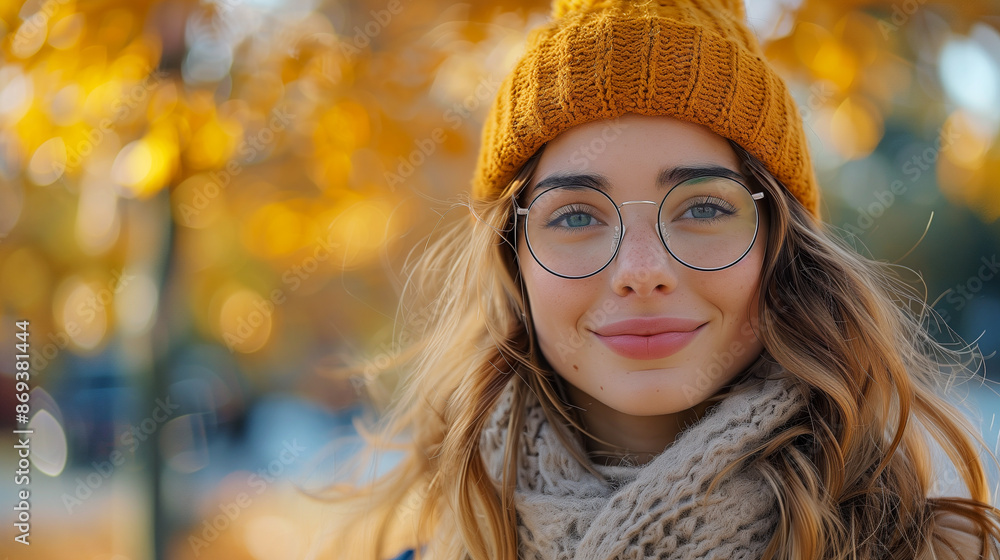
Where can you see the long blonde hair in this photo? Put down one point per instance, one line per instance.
(851, 476)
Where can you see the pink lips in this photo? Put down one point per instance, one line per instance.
(648, 338)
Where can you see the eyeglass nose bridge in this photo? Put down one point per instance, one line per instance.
(621, 220)
(637, 202)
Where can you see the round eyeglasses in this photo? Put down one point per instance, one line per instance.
(705, 223)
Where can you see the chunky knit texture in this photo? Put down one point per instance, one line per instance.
(694, 60)
(656, 510)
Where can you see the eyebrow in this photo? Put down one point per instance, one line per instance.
(666, 176)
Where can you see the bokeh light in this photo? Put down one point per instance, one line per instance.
(49, 452)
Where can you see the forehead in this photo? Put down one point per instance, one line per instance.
(634, 149)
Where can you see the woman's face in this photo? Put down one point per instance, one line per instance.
(593, 331)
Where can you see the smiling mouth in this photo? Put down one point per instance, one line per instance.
(648, 346)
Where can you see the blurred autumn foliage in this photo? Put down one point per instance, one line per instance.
(212, 200)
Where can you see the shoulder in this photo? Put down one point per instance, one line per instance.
(956, 538)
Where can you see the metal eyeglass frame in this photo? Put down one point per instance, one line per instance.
(518, 211)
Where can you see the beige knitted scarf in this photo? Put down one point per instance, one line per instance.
(656, 510)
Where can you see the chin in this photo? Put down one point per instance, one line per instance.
(645, 392)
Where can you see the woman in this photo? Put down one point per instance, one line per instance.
(646, 344)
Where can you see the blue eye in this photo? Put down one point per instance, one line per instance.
(577, 219)
(571, 217)
(704, 211)
(712, 209)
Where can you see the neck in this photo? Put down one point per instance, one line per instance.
(616, 437)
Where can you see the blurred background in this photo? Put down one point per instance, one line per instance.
(205, 205)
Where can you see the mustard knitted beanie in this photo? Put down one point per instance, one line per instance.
(693, 60)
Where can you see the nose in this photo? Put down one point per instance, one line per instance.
(643, 265)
